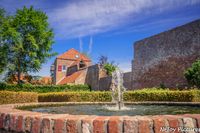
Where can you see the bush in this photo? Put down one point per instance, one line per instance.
(160, 95)
(8, 97)
(192, 74)
(110, 68)
(75, 97)
(130, 96)
(43, 88)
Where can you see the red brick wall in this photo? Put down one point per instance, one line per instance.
(12, 120)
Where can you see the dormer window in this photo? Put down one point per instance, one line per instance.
(82, 64)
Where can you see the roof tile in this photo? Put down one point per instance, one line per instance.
(73, 54)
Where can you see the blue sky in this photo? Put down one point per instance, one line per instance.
(108, 27)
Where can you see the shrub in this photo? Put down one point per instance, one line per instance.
(159, 95)
(110, 68)
(192, 74)
(130, 96)
(75, 97)
(43, 88)
(8, 97)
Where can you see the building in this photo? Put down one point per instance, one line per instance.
(162, 59)
(70, 67)
(158, 60)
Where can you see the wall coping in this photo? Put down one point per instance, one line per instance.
(12, 119)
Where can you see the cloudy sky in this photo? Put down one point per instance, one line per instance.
(108, 27)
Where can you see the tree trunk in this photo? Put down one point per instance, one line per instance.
(18, 77)
(19, 73)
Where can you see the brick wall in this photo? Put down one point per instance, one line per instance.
(163, 58)
(12, 120)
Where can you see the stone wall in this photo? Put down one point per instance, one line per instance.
(163, 58)
(82, 77)
(127, 80)
(92, 77)
(71, 70)
(105, 83)
(98, 80)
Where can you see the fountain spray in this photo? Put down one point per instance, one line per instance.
(117, 88)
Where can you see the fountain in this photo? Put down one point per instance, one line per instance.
(117, 88)
(119, 109)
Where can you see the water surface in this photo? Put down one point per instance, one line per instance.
(110, 110)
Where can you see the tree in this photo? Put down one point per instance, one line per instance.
(29, 39)
(192, 74)
(110, 67)
(103, 60)
(3, 47)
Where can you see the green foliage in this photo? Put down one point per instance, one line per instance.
(110, 68)
(3, 47)
(8, 97)
(28, 38)
(192, 74)
(130, 96)
(159, 95)
(43, 88)
(75, 97)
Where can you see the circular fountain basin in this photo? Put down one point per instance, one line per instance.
(111, 110)
(13, 119)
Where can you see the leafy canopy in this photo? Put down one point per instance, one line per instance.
(110, 68)
(28, 40)
(192, 74)
(3, 48)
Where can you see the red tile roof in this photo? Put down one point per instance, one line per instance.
(70, 78)
(72, 55)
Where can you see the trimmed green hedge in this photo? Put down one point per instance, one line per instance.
(75, 97)
(43, 88)
(8, 97)
(130, 96)
(162, 95)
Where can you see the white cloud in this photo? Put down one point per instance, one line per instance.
(90, 45)
(79, 18)
(89, 17)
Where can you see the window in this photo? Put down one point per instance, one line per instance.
(82, 64)
(64, 68)
(59, 68)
